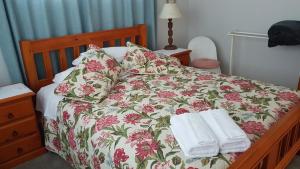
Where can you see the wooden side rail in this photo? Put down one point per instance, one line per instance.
(276, 148)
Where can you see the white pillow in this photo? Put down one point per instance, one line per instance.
(59, 77)
(117, 52)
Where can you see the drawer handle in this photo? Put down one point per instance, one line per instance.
(10, 116)
(15, 133)
(20, 150)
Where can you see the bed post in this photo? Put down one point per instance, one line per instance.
(29, 64)
(143, 35)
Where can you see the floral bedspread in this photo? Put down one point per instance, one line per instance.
(130, 128)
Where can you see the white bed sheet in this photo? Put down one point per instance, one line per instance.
(47, 101)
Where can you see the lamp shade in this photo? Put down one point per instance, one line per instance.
(170, 11)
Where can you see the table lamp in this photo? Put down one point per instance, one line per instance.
(170, 11)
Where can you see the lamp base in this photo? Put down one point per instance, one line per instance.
(170, 47)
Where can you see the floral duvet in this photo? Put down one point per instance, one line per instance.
(130, 128)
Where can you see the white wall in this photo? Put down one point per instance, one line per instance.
(4, 76)
(252, 58)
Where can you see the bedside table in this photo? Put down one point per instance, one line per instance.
(20, 136)
(182, 54)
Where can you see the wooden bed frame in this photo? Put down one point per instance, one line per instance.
(137, 34)
(274, 150)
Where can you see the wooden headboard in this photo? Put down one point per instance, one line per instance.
(43, 47)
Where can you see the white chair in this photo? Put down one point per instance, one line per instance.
(204, 54)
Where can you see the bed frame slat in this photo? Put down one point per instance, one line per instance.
(287, 144)
(296, 133)
(273, 157)
(112, 43)
(76, 52)
(47, 64)
(123, 41)
(133, 38)
(63, 59)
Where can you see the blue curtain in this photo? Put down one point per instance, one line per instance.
(35, 19)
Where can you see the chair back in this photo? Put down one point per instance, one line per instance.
(202, 47)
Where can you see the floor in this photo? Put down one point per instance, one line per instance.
(53, 161)
(46, 161)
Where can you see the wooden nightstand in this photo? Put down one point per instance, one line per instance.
(20, 138)
(182, 54)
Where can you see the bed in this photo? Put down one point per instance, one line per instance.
(130, 128)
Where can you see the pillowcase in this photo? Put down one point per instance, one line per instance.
(140, 60)
(59, 77)
(92, 79)
(116, 52)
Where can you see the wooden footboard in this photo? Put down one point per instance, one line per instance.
(276, 148)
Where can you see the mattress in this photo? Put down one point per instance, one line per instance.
(130, 128)
(47, 101)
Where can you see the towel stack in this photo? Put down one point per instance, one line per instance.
(207, 133)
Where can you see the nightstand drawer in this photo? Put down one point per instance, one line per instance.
(20, 147)
(182, 54)
(18, 129)
(16, 110)
(184, 57)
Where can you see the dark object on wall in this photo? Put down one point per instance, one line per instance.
(284, 33)
(299, 84)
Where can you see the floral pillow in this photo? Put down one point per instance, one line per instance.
(140, 60)
(92, 79)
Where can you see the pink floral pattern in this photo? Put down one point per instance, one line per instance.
(132, 118)
(145, 149)
(94, 66)
(288, 96)
(63, 88)
(66, 116)
(71, 138)
(140, 60)
(181, 111)
(166, 94)
(148, 108)
(92, 79)
(120, 156)
(233, 97)
(105, 122)
(252, 127)
(201, 105)
(130, 127)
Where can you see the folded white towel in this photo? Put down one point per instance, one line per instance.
(230, 136)
(194, 136)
